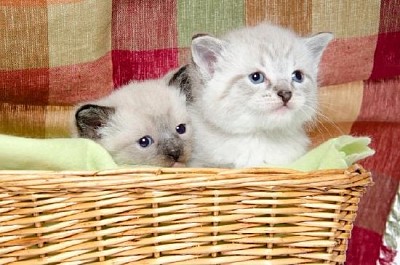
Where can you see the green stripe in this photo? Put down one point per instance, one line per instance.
(208, 16)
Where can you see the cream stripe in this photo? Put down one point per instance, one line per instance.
(346, 18)
(339, 107)
(79, 32)
(59, 121)
(51, 2)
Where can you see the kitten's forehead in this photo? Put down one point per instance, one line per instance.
(141, 106)
(152, 97)
(141, 121)
(266, 38)
(268, 47)
(262, 32)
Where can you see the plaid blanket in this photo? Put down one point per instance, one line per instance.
(54, 53)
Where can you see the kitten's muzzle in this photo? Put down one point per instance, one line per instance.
(285, 95)
(174, 154)
(172, 148)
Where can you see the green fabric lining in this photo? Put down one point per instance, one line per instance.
(18, 153)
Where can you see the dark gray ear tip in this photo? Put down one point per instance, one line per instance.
(198, 35)
(324, 32)
(79, 113)
(181, 79)
(181, 71)
(89, 118)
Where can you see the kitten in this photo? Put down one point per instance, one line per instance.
(143, 123)
(250, 94)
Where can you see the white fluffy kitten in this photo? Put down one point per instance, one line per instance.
(251, 93)
(143, 123)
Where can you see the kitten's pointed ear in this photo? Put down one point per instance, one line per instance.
(205, 52)
(89, 118)
(318, 42)
(181, 79)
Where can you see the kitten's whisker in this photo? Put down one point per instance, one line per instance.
(320, 121)
(321, 115)
(320, 126)
(329, 121)
(331, 107)
(325, 119)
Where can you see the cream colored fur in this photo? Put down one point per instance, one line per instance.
(145, 108)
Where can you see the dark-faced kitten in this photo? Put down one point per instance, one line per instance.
(250, 94)
(142, 123)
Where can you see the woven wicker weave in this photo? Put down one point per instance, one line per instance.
(178, 216)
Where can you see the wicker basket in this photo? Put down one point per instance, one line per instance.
(178, 216)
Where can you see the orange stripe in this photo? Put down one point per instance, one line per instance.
(36, 121)
(24, 42)
(184, 56)
(22, 3)
(22, 120)
(288, 13)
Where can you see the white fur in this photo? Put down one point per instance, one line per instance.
(239, 124)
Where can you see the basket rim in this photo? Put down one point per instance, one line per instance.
(187, 178)
(177, 170)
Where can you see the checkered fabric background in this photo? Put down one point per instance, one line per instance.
(55, 53)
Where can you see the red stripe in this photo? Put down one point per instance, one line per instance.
(390, 16)
(379, 118)
(140, 65)
(144, 25)
(76, 83)
(376, 203)
(364, 247)
(387, 56)
(387, 256)
(354, 63)
(30, 86)
(381, 101)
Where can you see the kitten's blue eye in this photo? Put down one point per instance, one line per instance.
(256, 78)
(181, 128)
(145, 141)
(297, 76)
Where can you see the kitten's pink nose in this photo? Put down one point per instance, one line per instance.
(285, 95)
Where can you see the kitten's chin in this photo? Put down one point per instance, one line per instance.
(178, 164)
(283, 110)
(285, 117)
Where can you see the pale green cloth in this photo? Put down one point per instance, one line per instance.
(339, 152)
(82, 154)
(53, 154)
